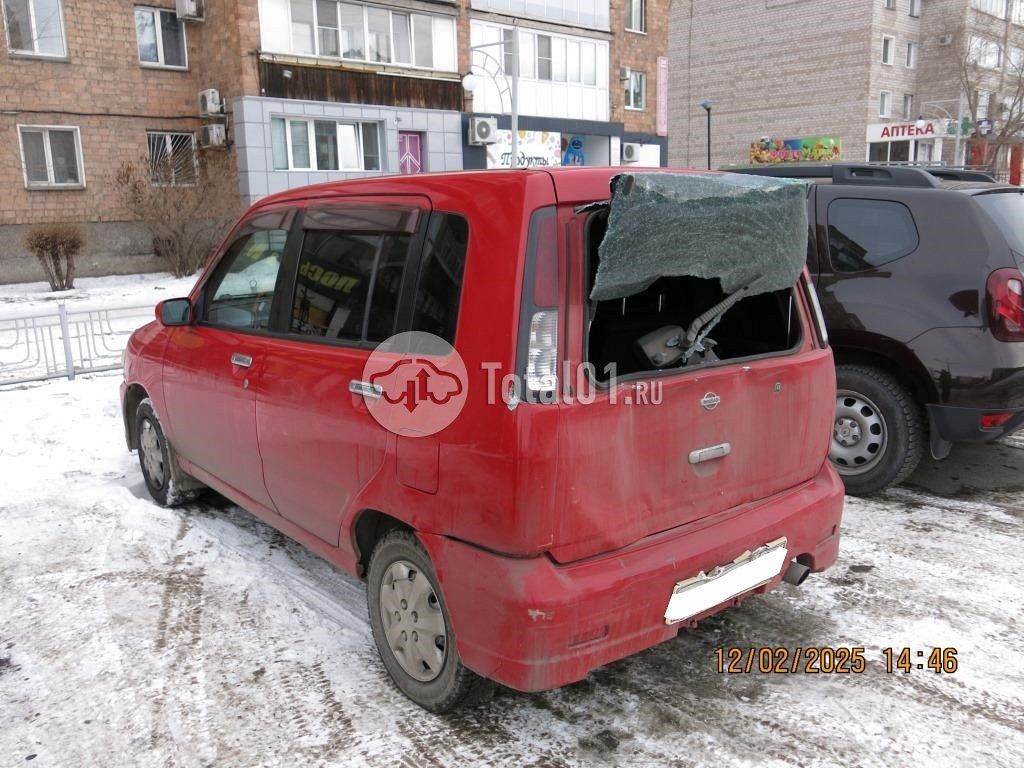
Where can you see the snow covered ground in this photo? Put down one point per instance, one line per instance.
(131, 635)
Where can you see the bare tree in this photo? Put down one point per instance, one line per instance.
(187, 201)
(992, 81)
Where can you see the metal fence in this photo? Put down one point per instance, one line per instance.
(65, 343)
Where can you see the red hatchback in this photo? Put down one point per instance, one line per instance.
(410, 376)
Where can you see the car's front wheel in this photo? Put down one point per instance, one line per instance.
(165, 481)
(412, 629)
(878, 434)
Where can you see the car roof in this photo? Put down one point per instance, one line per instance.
(571, 184)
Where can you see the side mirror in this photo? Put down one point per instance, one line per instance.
(174, 312)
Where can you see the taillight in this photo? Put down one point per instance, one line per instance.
(539, 319)
(1005, 293)
(994, 420)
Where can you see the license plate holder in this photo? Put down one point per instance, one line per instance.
(750, 570)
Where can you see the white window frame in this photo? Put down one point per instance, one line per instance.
(409, 12)
(912, 53)
(983, 98)
(915, 8)
(908, 106)
(1017, 13)
(890, 5)
(891, 49)
(643, 92)
(991, 7)
(35, 36)
(311, 143)
(47, 152)
(159, 64)
(979, 50)
(885, 96)
(168, 143)
(631, 6)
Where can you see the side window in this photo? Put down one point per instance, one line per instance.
(440, 279)
(869, 233)
(242, 290)
(348, 283)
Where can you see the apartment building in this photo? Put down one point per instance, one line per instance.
(886, 80)
(592, 85)
(312, 90)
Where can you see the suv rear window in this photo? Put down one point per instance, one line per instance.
(1007, 210)
(869, 233)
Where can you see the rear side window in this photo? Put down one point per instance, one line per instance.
(863, 234)
(440, 279)
(1007, 210)
(348, 283)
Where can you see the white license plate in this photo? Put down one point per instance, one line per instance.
(706, 590)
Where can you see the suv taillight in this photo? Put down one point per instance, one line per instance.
(1005, 293)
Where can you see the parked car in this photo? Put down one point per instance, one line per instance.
(919, 274)
(533, 538)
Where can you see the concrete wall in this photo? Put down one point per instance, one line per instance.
(111, 248)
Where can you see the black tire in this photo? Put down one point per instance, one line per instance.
(165, 481)
(883, 417)
(452, 685)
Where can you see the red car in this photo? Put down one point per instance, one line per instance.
(568, 498)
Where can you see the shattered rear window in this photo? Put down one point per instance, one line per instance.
(749, 232)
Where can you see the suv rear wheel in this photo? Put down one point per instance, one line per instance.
(412, 630)
(878, 435)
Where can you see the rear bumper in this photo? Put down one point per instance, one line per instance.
(532, 624)
(962, 425)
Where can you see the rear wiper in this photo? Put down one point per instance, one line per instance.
(704, 323)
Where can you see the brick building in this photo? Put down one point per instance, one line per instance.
(314, 90)
(892, 80)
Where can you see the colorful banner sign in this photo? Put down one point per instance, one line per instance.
(536, 149)
(810, 149)
(572, 150)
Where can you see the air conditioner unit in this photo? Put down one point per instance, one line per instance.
(189, 10)
(624, 73)
(483, 130)
(210, 103)
(630, 152)
(213, 135)
(945, 39)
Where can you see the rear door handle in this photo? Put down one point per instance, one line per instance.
(242, 361)
(366, 389)
(711, 452)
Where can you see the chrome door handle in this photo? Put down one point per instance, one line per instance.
(366, 389)
(711, 452)
(242, 361)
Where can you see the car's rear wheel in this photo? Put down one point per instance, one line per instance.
(412, 629)
(165, 481)
(878, 433)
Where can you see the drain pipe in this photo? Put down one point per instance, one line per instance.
(796, 574)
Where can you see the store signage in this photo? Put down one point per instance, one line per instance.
(809, 149)
(929, 129)
(662, 111)
(536, 149)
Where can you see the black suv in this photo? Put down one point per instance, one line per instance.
(919, 276)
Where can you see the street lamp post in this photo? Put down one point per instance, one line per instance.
(706, 104)
(471, 81)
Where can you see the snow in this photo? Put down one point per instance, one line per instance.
(136, 635)
(22, 299)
